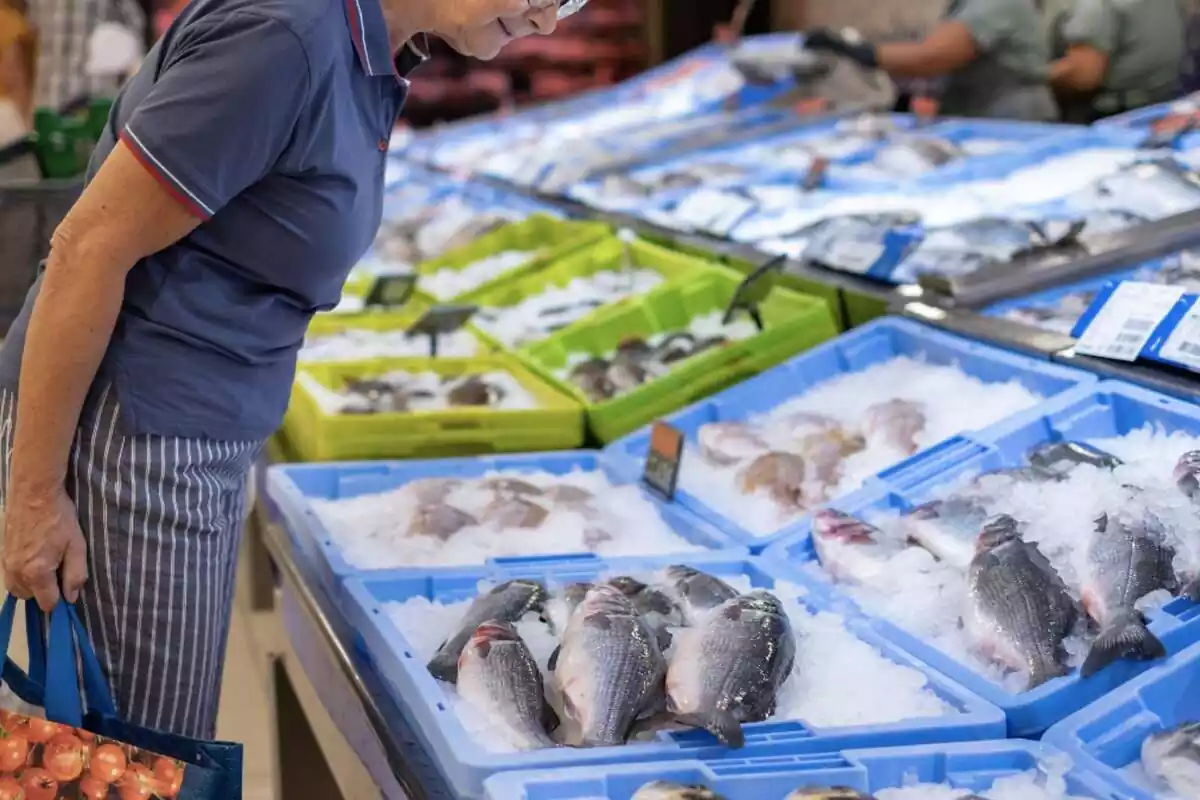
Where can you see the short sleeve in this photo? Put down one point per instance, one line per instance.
(989, 21)
(222, 110)
(1093, 23)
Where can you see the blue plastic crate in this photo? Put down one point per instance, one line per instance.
(1109, 409)
(465, 765)
(969, 766)
(292, 488)
(1049, 298)
(1106, 737)
(865, 346)
(1147, 115)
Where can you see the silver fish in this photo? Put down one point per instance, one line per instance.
(849, 549)
(948, 528)
(1173, 757)
(828, 793)
(498, 674)
(1058, 459)
(1125, 563)
(897, 422)
(609, 667)
(1187, 475)
(1019, 610)
(669, 790)
(729, 669)
(698, 591)
(507, 602)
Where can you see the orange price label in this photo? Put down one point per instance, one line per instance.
(816, 174)
(925, 108)
(811, 105)
(1173, 122)
(663, 459)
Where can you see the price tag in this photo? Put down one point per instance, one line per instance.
(664, 459)
(849, 255)
(1183, 345)
(752, 291)
(1127, 319)
(811, 106)
(391, 290)
(439, 321)
(816, 174)
(925, 109)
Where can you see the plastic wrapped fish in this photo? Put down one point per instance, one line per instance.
(851, 243)
(1155, 189)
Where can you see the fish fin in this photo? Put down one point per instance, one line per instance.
(1126, 637)
(552, 663)
(550, 720)
(664, 637)
(444, 667)
(721, 724)
(1191, 590)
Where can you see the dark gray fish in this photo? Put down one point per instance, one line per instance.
(498, 674)
(828, 793)
(1187, 475)
(592, 379)
(652, 603)
(507, 602)
(1019, 610)
(698, 591)
(1125, 563)
(609, 667)
(669, 790)
(1057, 459)
(1173, 757)
(475, 391)
(728, 670)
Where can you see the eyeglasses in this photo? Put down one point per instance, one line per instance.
(568, 7)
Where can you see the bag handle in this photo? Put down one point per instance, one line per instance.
(36, 642)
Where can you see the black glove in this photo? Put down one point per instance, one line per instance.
(825, 39)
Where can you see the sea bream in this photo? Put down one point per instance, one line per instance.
(1019, 610)
(828, 793)
(729, 669)
(609, 667)
(499, 675)
(669, 790)
(851, 550)
(507, 602)
(698, 591)
(1173, 757)
(1127, 560)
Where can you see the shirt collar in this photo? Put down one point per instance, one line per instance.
(368, 31)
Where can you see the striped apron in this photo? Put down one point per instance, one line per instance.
(163, 521)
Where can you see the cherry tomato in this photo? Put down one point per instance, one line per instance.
(39, 785)
(13, 722)
(93, 788)
(41, 730)
(170, 777)
(108, 763)
(137, 783)
(14, 750)
(10, 789)
(63, 756)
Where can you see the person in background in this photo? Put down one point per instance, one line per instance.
(1118, 55)
(16, 82)
(992, 53)
(64, 31)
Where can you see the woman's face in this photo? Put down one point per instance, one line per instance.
(480, 28)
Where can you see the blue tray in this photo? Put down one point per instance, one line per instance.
(1090, 412)
(1106, 736)
(863, 347)
(292, 488)
(465, 765)
(1143, 117)
(970, 766)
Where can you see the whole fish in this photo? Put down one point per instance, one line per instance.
(948, 528)
(897, 422)
(669, 790)
(506, 602)
(698, 591)
(499, 675)
(727, 443)
(609, 667)
(729, 669)
(1187, 475)
(1019, 610)
(1125, 563)
(828, 793)
(1173, 757)
(651, 602)
(440, 521)
(848, 548)
(1057, 459)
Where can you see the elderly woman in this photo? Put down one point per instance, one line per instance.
(239, 179)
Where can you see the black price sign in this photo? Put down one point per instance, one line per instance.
(390, 291)
(754, 290)
(664, 459)
(815, 175)
(441, 320)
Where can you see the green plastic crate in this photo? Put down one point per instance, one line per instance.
(827, 292)
(327, 324)
(557, 424)
(794, 322)
(862, 308)
(546, 238)
(607, 254)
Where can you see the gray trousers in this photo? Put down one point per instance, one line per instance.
(163, 521)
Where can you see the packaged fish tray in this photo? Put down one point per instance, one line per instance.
(470, 513)
(509, 251)
(614, 270)
(758, 456)
(385, 334)
(824, 682)
(1057, 309)
(996, 770)
(1147, 116)
(649, 357)
(1086, 502)
(1143, 738)
(414, 407)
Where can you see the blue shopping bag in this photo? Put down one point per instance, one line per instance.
(81, 749)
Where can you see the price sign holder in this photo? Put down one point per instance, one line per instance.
(439, 321)
(391, 291)
(815, 177)
(752, 291)
(1167, 130)
(664, 459)
(925, 109)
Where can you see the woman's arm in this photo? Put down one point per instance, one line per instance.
(122, 216)
(1081, 70)
(947, 48)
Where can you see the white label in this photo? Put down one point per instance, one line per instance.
(1125, 322)
(1183, 345)
(848, 255)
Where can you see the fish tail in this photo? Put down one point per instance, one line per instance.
(444, 667)
(721, 724)
(1126, 637)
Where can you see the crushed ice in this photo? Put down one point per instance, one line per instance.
(353, 344)
(448, 283)
(1048, 782)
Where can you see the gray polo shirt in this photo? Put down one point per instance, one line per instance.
(269, 120)
(1144, 41)
(1008, 79)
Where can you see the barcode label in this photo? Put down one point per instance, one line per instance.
(1126, 320)
(1183, 345)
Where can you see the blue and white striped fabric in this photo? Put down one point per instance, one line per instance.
(163, 520)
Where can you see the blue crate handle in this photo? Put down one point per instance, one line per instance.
(919, 469)
(544, 562)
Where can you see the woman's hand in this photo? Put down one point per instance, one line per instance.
(42, 534)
